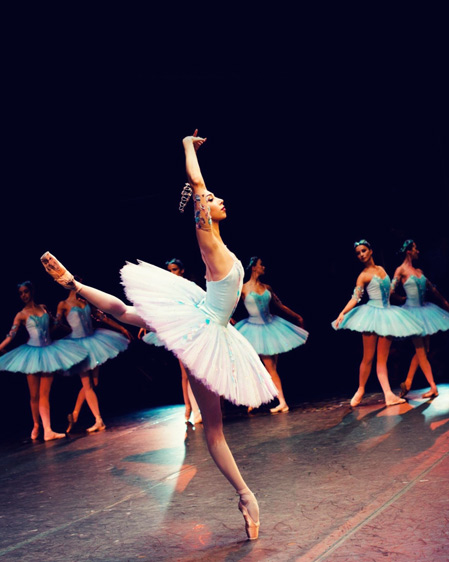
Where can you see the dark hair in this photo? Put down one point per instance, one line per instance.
(362, 242)
(407, 245)
(252, 262)
(175, 261)
(27, 284)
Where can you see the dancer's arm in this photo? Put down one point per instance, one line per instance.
(431, 287)
(281, 306)
(12, 332)
(214, 253)
(398, 278)
(102, 317)
(354, 300)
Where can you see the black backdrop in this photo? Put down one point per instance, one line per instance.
(349, 141)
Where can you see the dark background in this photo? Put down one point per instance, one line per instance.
(317, 137)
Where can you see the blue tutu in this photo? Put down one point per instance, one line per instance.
(432, 317)
(267, 333)
(40, 354)
(378, 316)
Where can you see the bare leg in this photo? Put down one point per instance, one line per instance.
(407, 384)
(210, 407)
(33, 385)
(92, 401)
(420, 352)
(44, 408)
(185, 392)
(270, 362)
(369, 349)
(383, 350)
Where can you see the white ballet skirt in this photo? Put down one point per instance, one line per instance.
(268, 334)
(100, 343)
(380, 317)
(433, 318)
(194, 325)
(40, 355)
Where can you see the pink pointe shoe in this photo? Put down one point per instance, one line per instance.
(59, 273)
(98, 426)
(251, 526)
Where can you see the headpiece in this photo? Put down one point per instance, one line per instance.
(406, 246)
(362, 242)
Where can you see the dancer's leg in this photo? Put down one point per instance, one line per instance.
(185, 392)
(420, 352)
(270, 362)
(383, 350)
(210, 407)
(44, 408)
(92, 401)
(369, 349)
(33, 386)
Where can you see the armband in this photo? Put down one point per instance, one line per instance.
(186, 193)
(203, 219)
(358, 293)
(13, 331)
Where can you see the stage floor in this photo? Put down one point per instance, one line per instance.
(333, 484)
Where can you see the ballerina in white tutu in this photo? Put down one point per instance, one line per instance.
(268, 333)
(101, 344)
(194, 324)
(39, 358)
(377, 320)
(433, 317)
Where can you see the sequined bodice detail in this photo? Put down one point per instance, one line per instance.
(258, 307)
(379, 291)
(415, 289)
(79, 320)
(222, 296)
(38, 328)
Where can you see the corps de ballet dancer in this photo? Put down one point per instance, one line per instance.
(40, 358)
(432, 317)
(378, 321)
(194, 324)
(101, 345)
(268, 333)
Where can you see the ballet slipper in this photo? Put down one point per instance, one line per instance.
(404, 390)
(251, 526)
(280, 408)
(72, 421)
(59, 273)
(430, 394)
(98, 426)
(357, 398)
(35, 433)
(53, 435)
(395, 401)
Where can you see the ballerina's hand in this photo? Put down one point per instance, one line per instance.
(339, 320)
(196, 140)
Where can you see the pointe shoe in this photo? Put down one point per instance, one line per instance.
(430, 394)
(404, 390)
(35, 433)
(279, 408)
(188, 413)
(53, 435)
(98, 426)
(251, 527)
(197, 418)
(72, 421)
(59, 273)
(395, 401)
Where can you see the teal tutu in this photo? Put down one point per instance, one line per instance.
(60, 355)
(275, 336)
(391, 321)
(432, 317)
(101, 346)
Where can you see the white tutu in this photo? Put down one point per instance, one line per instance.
(194, 325)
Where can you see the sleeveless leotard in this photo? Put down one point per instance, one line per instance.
(268, 334)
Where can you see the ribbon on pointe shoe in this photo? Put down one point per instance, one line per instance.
(59, 273)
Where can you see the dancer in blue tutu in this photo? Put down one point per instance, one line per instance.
(39, 358)
(101, 344)
(269, 334)
(194, 324)
(433, 318)
(377, 320)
